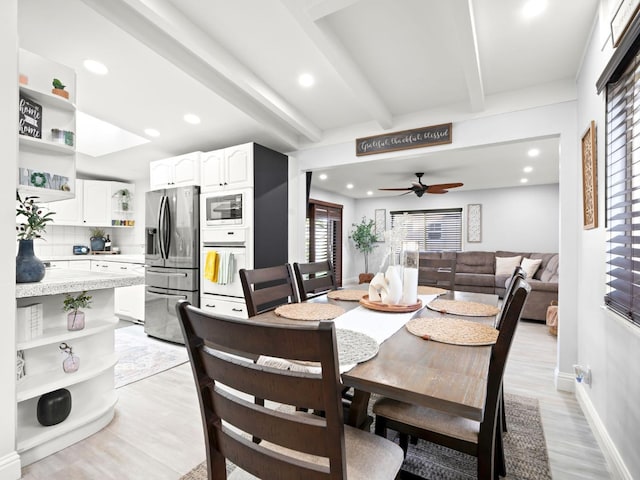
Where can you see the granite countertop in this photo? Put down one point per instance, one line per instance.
(58, 281)
(127, 258)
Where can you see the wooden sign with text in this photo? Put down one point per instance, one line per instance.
(416, 138)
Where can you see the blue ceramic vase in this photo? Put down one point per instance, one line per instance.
(29, 268)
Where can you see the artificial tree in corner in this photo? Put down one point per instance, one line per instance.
(364, 240)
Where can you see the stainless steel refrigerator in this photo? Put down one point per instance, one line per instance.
(171, 258)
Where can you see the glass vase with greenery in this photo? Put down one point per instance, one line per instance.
(73, 304)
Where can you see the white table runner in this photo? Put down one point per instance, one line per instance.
(378, 325)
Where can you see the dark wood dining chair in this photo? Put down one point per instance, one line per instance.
(314, 278)
(480, 439)
(437, 272)
(294, 444)
(518, 272)
(266, 288)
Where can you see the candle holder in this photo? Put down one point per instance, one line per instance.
(410, 259)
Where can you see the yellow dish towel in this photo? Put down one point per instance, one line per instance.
(211, 266)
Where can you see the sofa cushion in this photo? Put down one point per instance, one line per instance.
(506, 265)
(530, 266)
(550, 272)
(546, 258)
(540, 286)
(475, 262)
(475, 279)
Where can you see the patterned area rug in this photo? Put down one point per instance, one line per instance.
(141, 356)
(524, 443)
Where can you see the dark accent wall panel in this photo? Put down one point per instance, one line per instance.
(271, 207)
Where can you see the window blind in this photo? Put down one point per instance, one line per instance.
(434, 230)
(623, 193)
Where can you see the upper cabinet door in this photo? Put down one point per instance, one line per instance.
(186, 170)
(97, 203)
(212, 171)
(172, 172)
(69, 212)
(227, 168)
(160, 174)
(239, 162)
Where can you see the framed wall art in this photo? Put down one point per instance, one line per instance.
(381, 224)
(474, 223)
(589, 178)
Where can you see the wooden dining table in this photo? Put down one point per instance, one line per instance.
(450, 378)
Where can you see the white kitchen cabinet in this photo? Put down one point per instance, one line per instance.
(96, 204)
(69, 212)
(96, 200)
(128, 301)
(177, 171)
(47, 164)
(227, 168)
(224, 306)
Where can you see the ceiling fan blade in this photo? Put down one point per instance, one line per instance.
(442, 186)
(437, 191)
(396, 189)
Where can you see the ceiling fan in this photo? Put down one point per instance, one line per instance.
(420, 188)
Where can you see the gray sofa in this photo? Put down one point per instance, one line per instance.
(476, 272)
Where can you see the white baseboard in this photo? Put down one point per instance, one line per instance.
(565, 382)
(609, 450)
(10, 468)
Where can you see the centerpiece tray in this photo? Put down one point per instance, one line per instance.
(385, 307)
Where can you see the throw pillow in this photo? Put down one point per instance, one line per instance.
(530, 266)
(506, 265)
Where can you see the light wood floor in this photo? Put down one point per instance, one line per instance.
(156, 433)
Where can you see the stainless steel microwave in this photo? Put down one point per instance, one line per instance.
(224, 208)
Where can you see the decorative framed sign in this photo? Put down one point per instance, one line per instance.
(416, 138)
(474, 223)
(381, 224)
(589, 178)
(622, 19)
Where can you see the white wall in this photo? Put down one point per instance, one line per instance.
(609, 345)
(9, 460)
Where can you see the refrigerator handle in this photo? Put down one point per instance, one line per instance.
(160, 227)
(166, 295)
(168, 228)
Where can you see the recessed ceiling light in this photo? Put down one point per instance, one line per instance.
(527, 169)
(534, 152)
(369, 192)
(533, 8)
(306, 80)
(524, 180)
(95, 67)
(152, 132)
(192, 119)
(349, 186)
(323, 176)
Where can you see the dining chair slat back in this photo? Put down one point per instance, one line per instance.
(314, 278)
(294, 444)
(266, 288)
(437, 272)
(481, 439)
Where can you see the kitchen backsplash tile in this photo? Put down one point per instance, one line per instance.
(59, 240)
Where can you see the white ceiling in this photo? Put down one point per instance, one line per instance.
(376, 63)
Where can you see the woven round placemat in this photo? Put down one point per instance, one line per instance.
(347, 295)
(426, 290)
(355, 347)
(309, 311)
(459, 307)
(455, 331)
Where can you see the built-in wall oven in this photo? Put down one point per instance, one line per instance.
(222, 293)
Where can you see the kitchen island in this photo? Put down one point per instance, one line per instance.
(93, 396)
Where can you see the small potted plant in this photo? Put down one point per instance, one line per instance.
(97, 239)
(71, 304)
(59, 89)
(124, 197)
(364, 239)
(33, 223)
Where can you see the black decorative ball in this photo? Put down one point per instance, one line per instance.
(54, 407)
